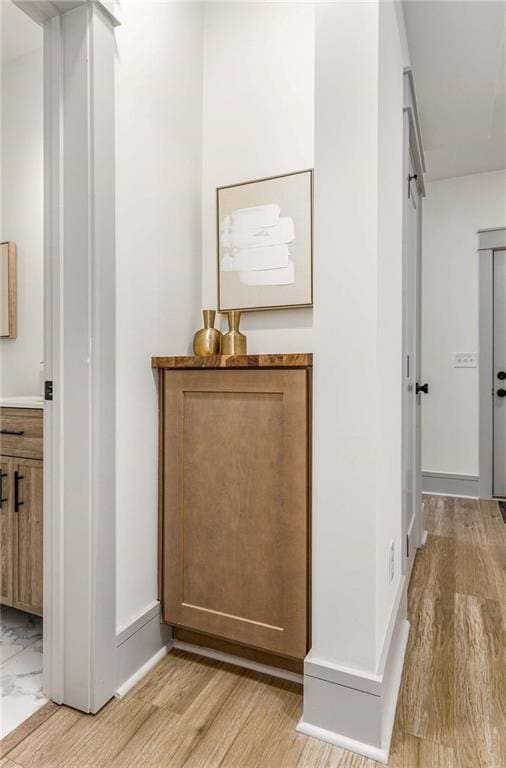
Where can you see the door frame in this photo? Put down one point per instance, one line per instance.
(412, 154)
(79, 351)
(489, 240)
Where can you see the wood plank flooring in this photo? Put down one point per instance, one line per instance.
(199, 713)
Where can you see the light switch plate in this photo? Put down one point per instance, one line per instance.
(465, 360)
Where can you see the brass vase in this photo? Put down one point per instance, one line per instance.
(207, 341)
(233, 342)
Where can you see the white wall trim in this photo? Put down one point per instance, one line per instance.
(337, 740)
(449, 484)
(142, 672)
(138, 644)
(488, 241)
(238, 661)
(127, 630)
(491, 239)
(353, 709)
(79, 337)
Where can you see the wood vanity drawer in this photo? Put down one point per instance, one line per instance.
(21, 431)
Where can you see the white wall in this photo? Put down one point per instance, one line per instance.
(158, 156)
(357, 330)
(21, 217)
(258, 121)
(389, 317)
(453, 212)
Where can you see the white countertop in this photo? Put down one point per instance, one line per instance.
(24, 401)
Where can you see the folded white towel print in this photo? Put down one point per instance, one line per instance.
(282, 232)
(270, 257)
(283, 276)
(258, 216)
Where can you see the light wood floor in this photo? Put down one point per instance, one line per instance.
(194, 712)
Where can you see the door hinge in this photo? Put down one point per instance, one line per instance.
(48, 390)
(413, 177)
(407, 545)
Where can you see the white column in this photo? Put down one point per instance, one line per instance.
(80, 328)
(359, 636)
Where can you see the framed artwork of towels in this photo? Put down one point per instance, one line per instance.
(265, 243)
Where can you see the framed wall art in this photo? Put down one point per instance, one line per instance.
(265, 243)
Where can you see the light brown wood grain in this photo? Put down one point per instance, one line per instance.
(193, 712)
(30, 422)
(29, 725)
(10, 293)
(7, 533)
(236, 506)
(291, 360)
(474, 571)
(481, 672)
(28, 545)
(6, 763)
(429, 674)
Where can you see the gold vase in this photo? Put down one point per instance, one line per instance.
(207, 341)
(233, 342)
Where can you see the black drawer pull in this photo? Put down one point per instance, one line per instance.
(17, 502)
(11, 432)
(2, 499)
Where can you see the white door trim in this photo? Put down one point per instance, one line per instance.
(79, 338)
(412, 531)
(489, 240)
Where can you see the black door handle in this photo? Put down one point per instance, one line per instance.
(501, 393)
(11, 432)
(17, 502)
(501, 375)
(422, 388)
(2, 499)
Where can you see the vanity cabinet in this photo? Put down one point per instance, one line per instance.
(234, 501)
(21, 511)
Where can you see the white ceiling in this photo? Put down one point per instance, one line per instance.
(20, 35)
(457, 52)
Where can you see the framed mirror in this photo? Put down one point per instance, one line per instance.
(8, 290)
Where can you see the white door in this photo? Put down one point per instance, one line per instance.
(499, 373)
(411, 492)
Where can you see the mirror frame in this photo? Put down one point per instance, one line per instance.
(11, 290)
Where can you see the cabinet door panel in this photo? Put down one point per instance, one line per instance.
(236, 506)
(6, 533)
(28, 554)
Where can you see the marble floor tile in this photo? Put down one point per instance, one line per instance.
(20, 668)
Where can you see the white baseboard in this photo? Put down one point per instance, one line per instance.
(351, 745)
(352, 709)
(238, 661)
(140, 673)
(449, 484)
(140, 644)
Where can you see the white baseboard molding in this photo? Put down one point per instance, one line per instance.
(352, 709)
(238, 661)
(142, 672)
(351, 745)
(139, 646)
(448, 484)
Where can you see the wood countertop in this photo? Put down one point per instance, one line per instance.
(292, 360)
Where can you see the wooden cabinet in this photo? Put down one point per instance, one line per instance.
(21, 512)
(235, 500)
(6, 532)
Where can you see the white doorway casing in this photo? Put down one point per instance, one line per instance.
(79, 331)
(413, 193)
(490, 241)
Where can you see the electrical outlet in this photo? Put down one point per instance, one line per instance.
(391, 561)
(465, 360)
